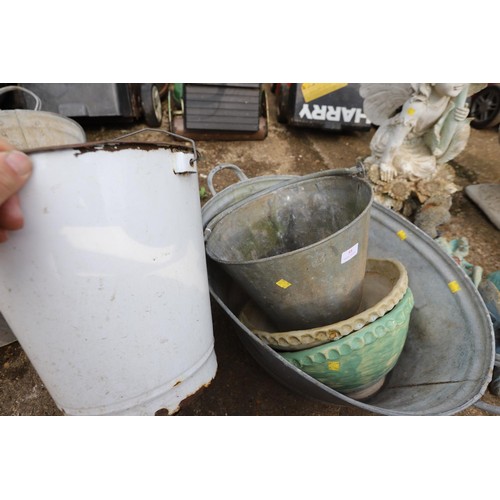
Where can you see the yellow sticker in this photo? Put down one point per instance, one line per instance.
(411, 111)
(334, 366)
(312, 91)
(454, 286)
(283, 284)
(401, 234)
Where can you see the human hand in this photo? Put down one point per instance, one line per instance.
(15, 170)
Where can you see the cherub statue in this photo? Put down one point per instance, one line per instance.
(421, 125)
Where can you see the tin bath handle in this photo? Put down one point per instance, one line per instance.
(237, 170)
(358, 170)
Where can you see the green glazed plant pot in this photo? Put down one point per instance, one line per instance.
(384, 285)
(361, 360)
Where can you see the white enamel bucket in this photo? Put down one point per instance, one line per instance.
(106, 285)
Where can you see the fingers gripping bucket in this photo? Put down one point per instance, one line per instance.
(106, 285)
(300, 250)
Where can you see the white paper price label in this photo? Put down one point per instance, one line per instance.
(349, 254)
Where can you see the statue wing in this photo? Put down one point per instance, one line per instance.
(382, 100)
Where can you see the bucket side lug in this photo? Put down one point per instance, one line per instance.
(181, 166)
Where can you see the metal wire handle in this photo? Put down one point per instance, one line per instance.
(10, 88)
(358, 170)
(218, 168)
(181, 137)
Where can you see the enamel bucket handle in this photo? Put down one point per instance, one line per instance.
(161, 131)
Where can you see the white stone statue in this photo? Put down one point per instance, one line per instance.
(421, 125)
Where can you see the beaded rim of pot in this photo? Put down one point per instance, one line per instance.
(303, 339)
(367, 335)
(336, 364)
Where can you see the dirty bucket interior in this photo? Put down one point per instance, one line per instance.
(279, 244)
(288, 219)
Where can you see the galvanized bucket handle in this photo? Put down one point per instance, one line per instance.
(11, 88)
(161, 131)
(358, 170)
(218, 168)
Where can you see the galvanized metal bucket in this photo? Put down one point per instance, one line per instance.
(447, 362)
(237, 192)
(28, 129)
(106, 287)
(299, 250)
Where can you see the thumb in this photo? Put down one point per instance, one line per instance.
(15, 170)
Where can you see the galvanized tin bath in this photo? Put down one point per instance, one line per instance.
(447, 362)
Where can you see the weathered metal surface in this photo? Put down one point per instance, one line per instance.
(447, 361)
(288, 247)
(236, 192)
